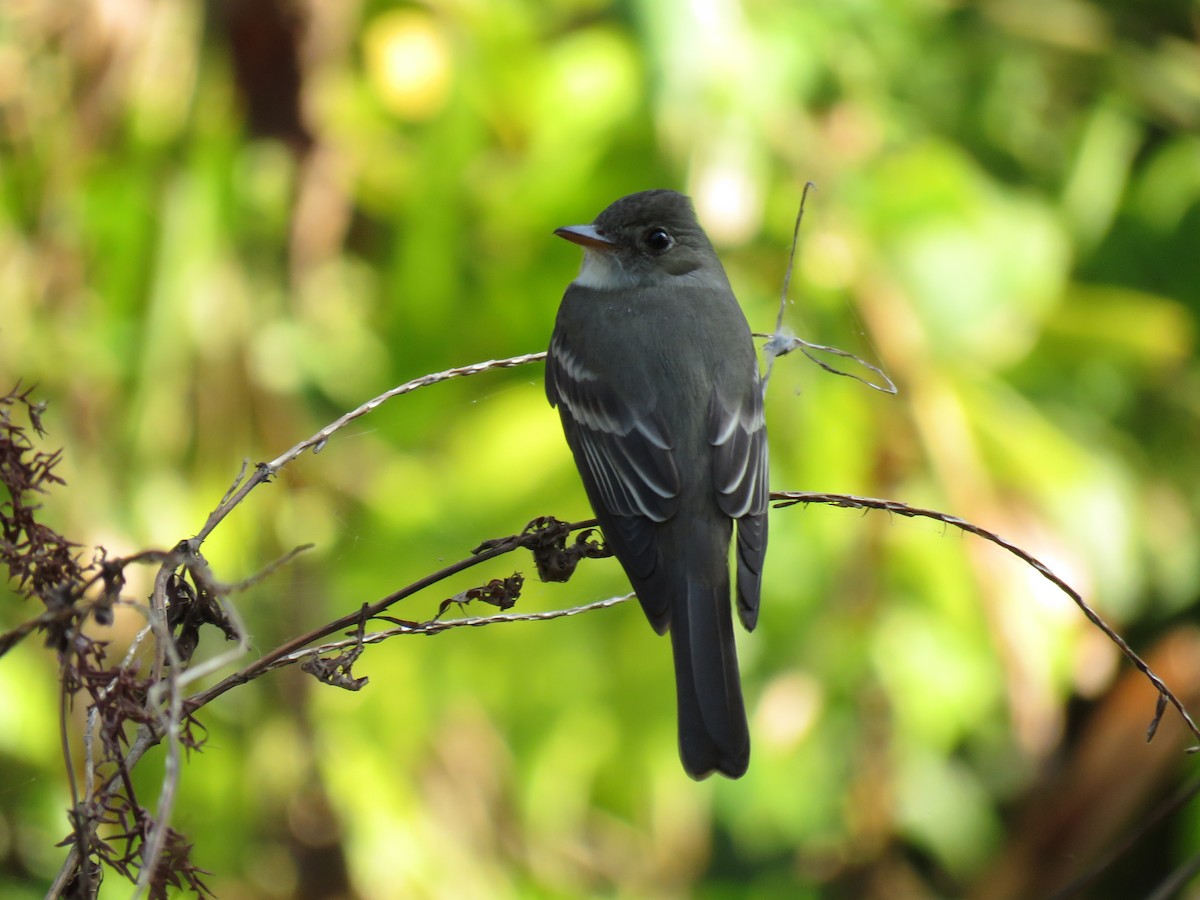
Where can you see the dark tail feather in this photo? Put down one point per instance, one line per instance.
(713, 733)
(751, 549)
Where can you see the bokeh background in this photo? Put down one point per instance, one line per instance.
(223, 224)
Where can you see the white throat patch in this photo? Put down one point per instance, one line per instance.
(603, 272)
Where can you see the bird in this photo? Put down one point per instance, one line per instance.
(653, 371)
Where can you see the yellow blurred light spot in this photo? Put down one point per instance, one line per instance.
(408, 62)
(523, 436)
(1095, 663)
(788, 710)
(591, 84)
(1051, 606)
(728, 201)
(13, 73)
(272, 357)
(829, 259)
(28, 730)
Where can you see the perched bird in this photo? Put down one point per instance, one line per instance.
(654, 375)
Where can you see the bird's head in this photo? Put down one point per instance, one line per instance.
(644, 239)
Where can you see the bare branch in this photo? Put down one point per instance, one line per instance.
(266, 471)
(787, 286)
(437, 626)
(780, 343)
(790, 498)
(531, 537)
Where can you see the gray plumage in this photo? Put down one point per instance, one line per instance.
(654, 375)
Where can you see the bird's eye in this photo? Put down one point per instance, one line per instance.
(658, 240)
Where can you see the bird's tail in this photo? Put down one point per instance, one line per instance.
(713, 733)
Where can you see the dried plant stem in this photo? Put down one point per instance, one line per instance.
(288, 651)
(437, 626)
(790, 498)
(265, 471)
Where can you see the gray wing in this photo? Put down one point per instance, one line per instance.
(738, 434)
(624, 455)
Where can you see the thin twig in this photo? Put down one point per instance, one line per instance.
(787, 286)
(79, 821)
(272, 659)
(780, 343)
(265, 471)
(265, 572)
(1177, 880)
(790, 498)
(169, 721)
(437, 626)
(143, 740)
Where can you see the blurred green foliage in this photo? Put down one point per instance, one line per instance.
(223, 224)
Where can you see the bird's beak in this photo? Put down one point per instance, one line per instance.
(586, 236)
